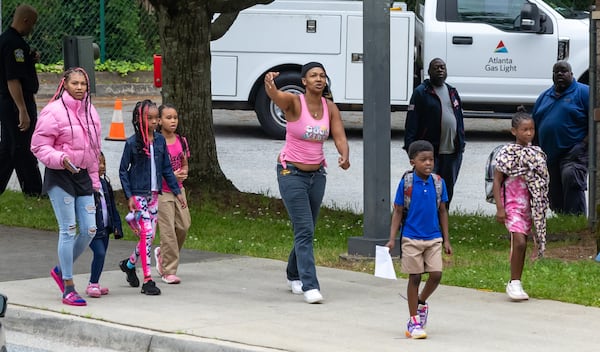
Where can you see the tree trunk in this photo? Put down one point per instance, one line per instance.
(184, 28)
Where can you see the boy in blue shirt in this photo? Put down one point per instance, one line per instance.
(424, 231)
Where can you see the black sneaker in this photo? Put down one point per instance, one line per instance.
(149, 288)
(131, 275)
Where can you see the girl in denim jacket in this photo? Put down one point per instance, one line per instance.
(144, 163)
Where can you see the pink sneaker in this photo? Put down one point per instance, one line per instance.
(74, 299)
(158, 260)
(93, 290)
(57, 276)
(170, 279)
(103, 290)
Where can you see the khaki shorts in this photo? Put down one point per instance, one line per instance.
(419, 256)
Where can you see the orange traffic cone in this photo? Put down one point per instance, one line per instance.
(117, 127)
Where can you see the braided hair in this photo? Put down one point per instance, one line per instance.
(141, 125)
(180, 137)
(520, 116)
(87, 104)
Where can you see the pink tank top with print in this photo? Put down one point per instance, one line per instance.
(304, 138)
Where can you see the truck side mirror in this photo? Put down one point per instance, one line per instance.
(530, 18)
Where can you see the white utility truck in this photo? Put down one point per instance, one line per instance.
(499, 53)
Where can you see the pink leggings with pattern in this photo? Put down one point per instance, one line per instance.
(147, 222)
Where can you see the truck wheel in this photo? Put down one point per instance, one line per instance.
(270, 116)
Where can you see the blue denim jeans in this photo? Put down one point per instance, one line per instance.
(302, 193)
(71, 211)
(448, 166)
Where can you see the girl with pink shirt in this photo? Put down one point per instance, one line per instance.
(301, 175)
(173, 219)
(521, 195)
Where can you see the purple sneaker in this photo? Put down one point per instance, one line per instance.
(74, 299)
(414, 330)
(57, 276)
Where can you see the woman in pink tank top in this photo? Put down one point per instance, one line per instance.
(301, 168)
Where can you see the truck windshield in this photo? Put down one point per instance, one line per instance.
(567, 11)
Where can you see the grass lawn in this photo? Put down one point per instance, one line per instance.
(256, 225)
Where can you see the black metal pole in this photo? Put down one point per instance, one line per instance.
(376, 128)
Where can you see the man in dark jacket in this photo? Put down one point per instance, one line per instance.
(18, 111)
(435, 115)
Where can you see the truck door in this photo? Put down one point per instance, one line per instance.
(489, 55)
(401, 58)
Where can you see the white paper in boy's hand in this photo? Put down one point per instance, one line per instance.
(384, 267)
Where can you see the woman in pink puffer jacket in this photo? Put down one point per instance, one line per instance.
(67, 141)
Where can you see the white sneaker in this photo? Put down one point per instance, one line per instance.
(295, 286)
(313, 296)
(515, 291)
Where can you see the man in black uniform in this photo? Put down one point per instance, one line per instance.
(18, 112)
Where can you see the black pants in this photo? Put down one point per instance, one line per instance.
(15, 148)
(448, 166)
(568, 181)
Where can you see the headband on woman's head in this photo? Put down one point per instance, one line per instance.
(309, 66)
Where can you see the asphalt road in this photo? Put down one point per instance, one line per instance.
(247, 156)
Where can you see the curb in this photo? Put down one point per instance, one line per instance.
(96, 333)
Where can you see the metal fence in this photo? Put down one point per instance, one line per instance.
(124, 29)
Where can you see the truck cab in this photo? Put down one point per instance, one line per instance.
(500, 53)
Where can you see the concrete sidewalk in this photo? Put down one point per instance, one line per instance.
(233, 303)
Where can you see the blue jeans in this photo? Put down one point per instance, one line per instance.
(302, 193)
(69, 211)
(448, 166)
(99, 247)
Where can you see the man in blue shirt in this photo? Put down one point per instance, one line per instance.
(561, 121)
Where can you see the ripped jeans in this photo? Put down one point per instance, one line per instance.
(72, 211)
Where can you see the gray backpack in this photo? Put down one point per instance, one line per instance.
(490, 168)
(408, 178)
